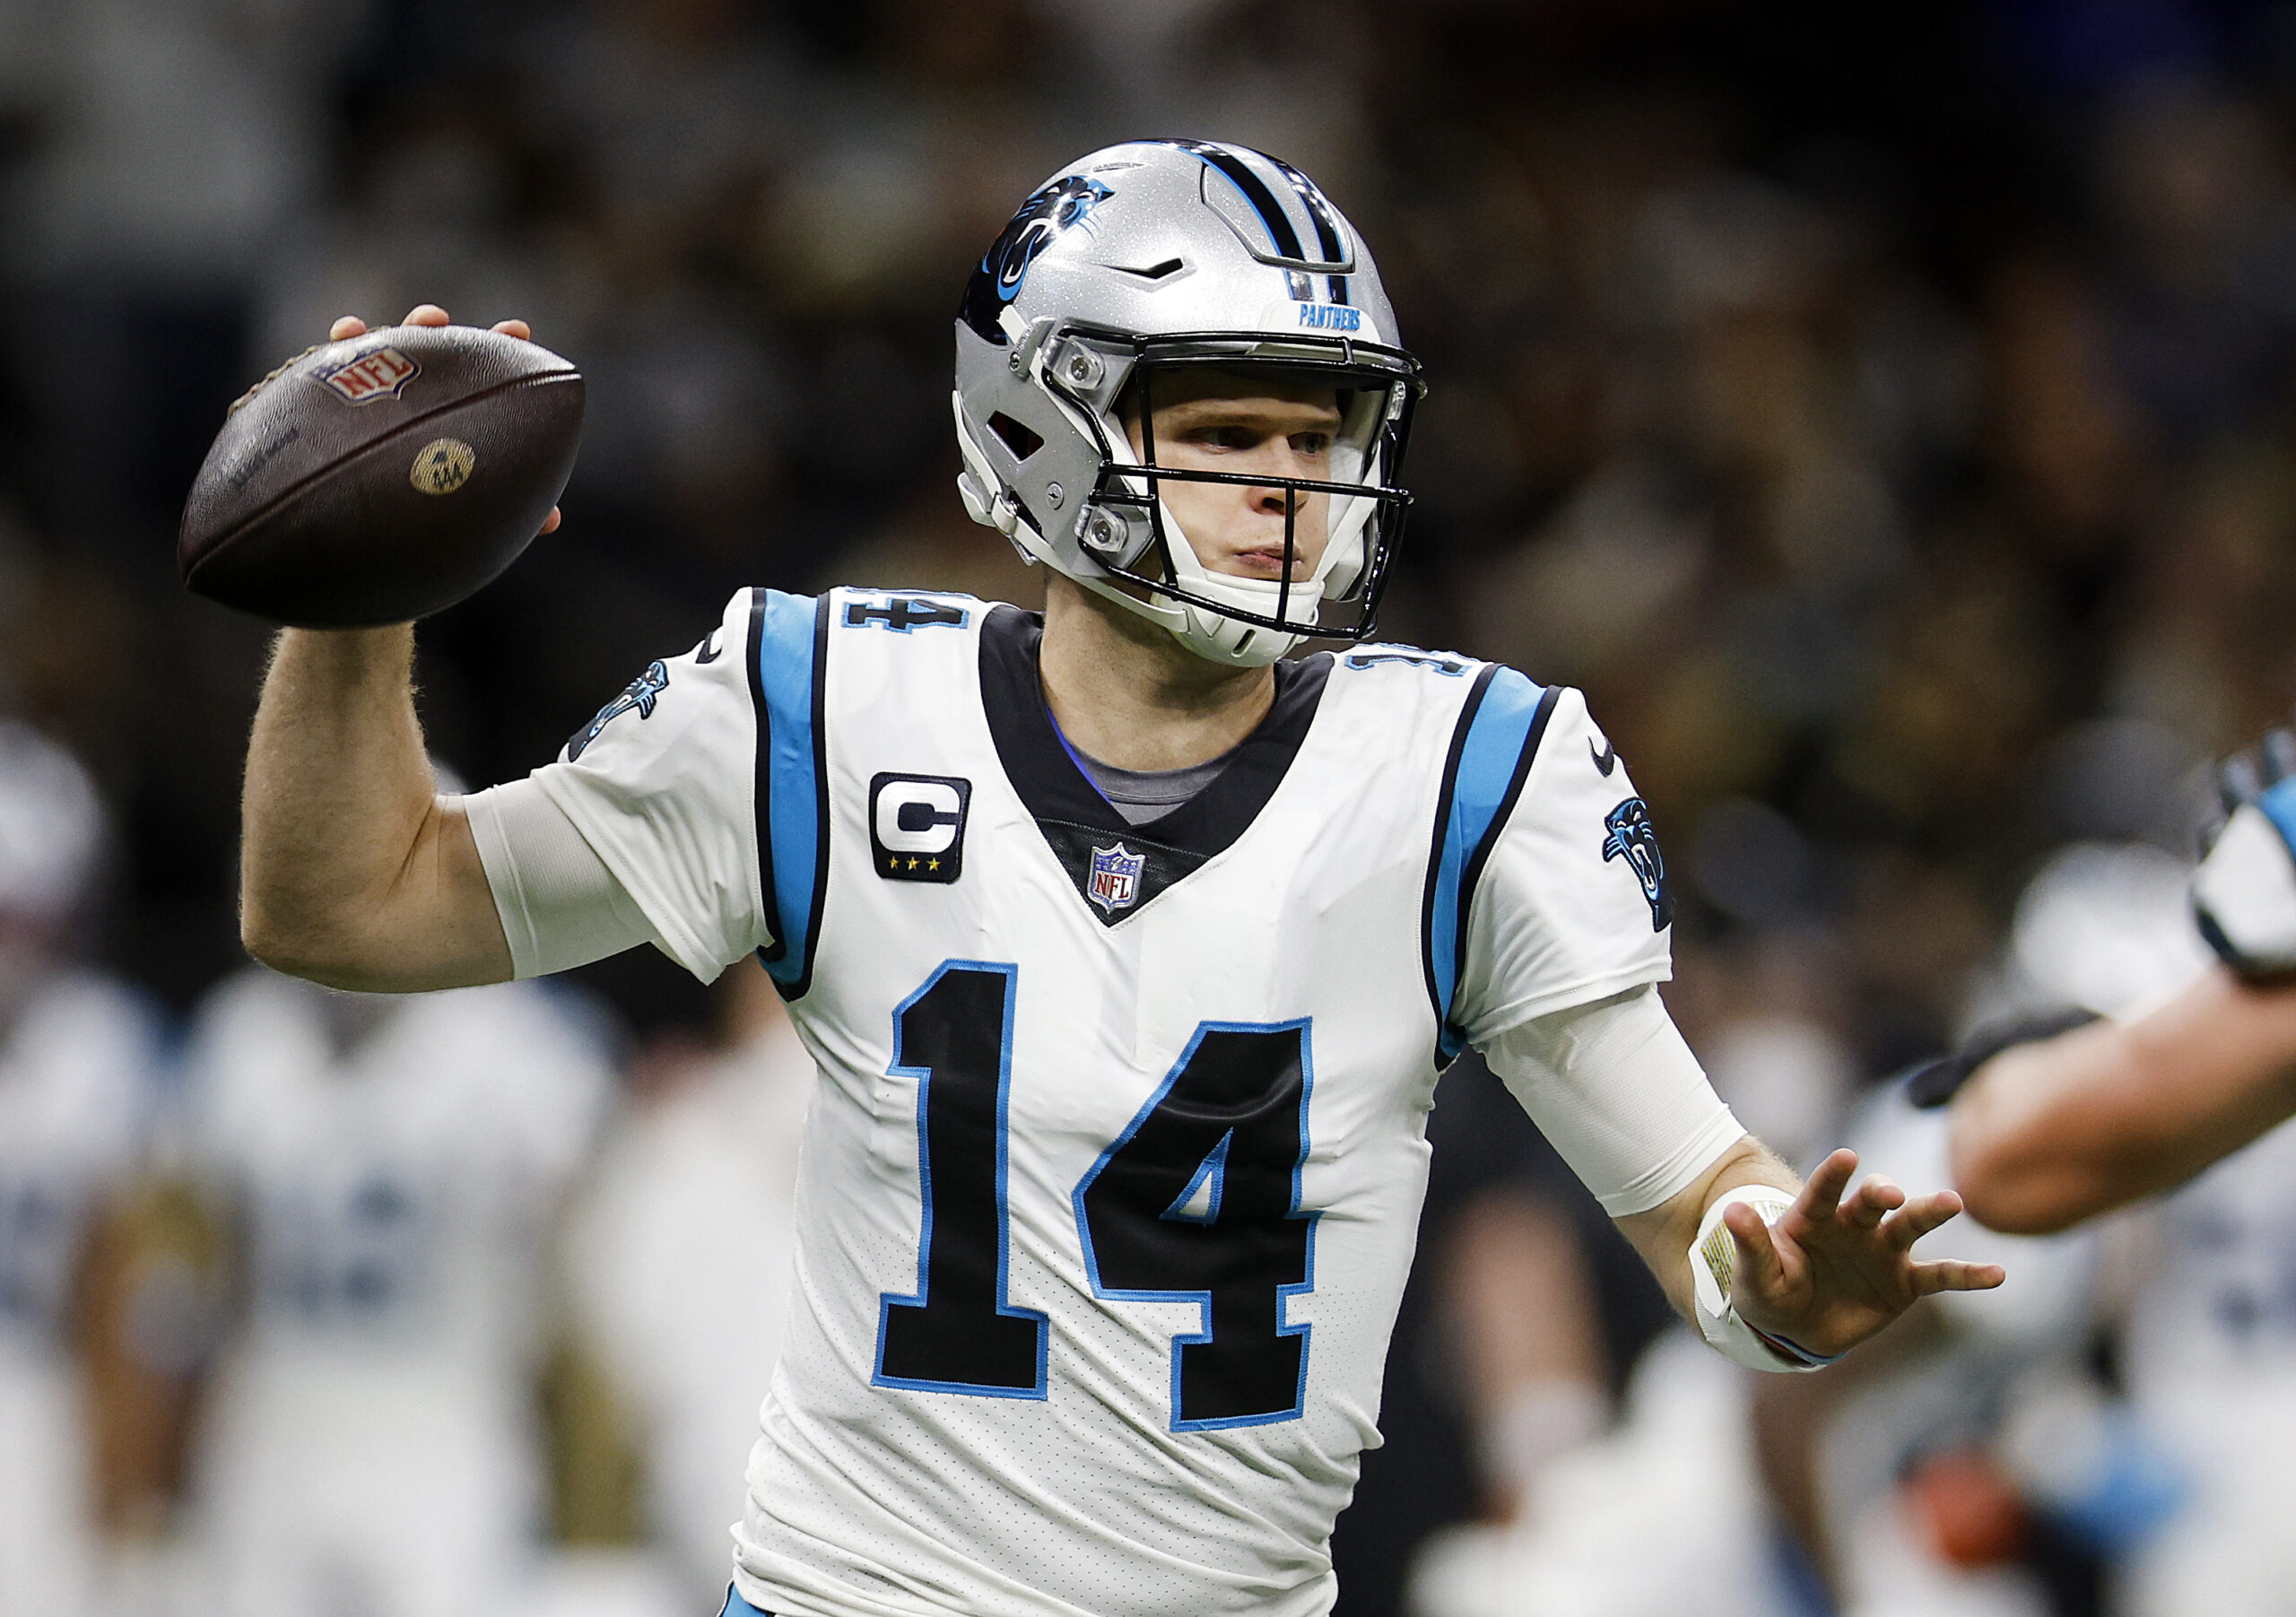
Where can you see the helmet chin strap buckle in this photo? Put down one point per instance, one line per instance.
(1000, 511)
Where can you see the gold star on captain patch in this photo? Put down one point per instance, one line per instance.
(932, 864)
(912, 864)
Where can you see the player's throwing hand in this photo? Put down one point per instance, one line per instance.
(347, 326)
(1834, 1270)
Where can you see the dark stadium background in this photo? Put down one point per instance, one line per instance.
(1861, 403)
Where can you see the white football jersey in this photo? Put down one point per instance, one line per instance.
(395, 1193)
(1112, 1177)
(75, 1095)
(77, 1069)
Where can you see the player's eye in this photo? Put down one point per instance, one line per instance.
(1227, 436)
(1314, 445)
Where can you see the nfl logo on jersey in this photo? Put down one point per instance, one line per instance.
(1116, 877)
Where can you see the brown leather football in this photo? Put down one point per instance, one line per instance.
(380, 479)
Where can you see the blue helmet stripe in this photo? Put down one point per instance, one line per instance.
(787, 639)
(1326, 226)
(1280, 235)
(1497, 737)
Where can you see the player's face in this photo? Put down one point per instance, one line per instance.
(1215, 421)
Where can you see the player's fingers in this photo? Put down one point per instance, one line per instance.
(345, 327)
(1821, 1197)
(518, 330)
(1875, 1197)
(425, 314)
(1757, 1261)
(549, 523)
(1952, 1275)
(1917, 1219)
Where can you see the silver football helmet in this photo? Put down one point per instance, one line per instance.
(1139, 260)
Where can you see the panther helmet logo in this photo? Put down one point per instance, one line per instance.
(1067, 201)
(1633, 838)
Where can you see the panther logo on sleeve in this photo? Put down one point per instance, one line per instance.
(1633, 839)
(639, 696)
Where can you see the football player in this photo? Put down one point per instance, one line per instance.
(679, 1257)
(1128, 947)
(2049, 1131)
(394, 1166)
(78, 1058)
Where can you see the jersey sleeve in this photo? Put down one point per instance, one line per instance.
(1620, 1097)
(1561, 890)
(662, 784)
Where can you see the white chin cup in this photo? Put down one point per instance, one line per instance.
(1213, 635)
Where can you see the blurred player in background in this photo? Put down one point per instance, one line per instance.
(395, 1167)
(76, 1067)
(680, 1256)
(2192, 1085)
(1128, 949)
(2048, 1132)
(1970, 1466)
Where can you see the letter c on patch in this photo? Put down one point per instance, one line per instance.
(917, 826)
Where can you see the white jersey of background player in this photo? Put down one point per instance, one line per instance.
(679, 1257)
(76, 1061)
(395, 1166)
(1129, 954)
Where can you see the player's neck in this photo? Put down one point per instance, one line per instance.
(1124, 692)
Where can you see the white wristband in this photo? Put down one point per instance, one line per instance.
(1712, 1257)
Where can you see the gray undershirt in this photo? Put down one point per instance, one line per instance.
(1141, 795)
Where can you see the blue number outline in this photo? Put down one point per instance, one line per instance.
(886, 1299)
(1304, 1026)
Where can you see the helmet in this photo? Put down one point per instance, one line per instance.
(1138, 261)
(51, 826)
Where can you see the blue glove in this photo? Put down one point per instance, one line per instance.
(2244, 894)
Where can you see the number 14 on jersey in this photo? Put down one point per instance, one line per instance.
(1197, 1201)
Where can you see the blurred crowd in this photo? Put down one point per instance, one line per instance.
(1884, 414)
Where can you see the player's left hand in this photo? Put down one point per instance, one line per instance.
(1835, 1269)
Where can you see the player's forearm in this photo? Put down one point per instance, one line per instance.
(1665, 1235)
(352, 871)
(2048, 1134)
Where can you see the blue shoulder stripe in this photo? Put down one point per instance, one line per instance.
(1492, 749)
(788, 635)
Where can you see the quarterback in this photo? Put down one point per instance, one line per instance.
(1128, 946)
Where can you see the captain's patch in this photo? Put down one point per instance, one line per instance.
(917, 826)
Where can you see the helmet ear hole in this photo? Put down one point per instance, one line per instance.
(1017, 437)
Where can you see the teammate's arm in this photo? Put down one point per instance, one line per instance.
(354, 872)
(2049, 1132)
(2047, 1135)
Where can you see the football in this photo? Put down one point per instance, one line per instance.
(382, 478)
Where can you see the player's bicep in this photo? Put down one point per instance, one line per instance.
(559, 904)
(661, 787)
(1572, 902)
